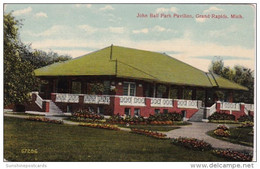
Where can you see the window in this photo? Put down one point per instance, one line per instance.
(165, 111)
(76, 87)
(127, 111)
(137, 112)
(156, 111)
(129, 89)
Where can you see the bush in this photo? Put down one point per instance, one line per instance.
(245, 118)
(192, 143)
(87, 114)
(233, 155)
(222, 133)
(221, 116)
(165, 117)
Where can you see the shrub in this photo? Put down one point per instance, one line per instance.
(233, 155)
(192, 143)
(222, 133)
(245, 118)
(221, 116)
(87, 114)
(165, 117)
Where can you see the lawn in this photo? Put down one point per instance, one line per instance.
(237, 136)
(38, 141)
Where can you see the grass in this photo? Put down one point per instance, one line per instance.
(55, 142)
(237, 136)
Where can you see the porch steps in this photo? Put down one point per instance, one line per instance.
(198, 116)
(54, 109)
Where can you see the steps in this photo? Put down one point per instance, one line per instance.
(54, 109)
(198, 116)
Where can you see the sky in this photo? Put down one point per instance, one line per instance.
(78, 29)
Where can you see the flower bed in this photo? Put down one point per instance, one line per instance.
(246, 124)
(149, 133)
(100, 126)
(159, 119)
(192, 143)
(43, 119)
(87, 114)
(222, 131)
(233, 155)
(221, 116)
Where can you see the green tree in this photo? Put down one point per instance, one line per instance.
(39, 58)
(19, 79)
(238, 74)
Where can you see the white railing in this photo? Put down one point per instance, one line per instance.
(132, 101)
(211, 109)
(38, 100)
(96, 99)
(187, 104)
(67, 98)
(159, 102)
(230, 106)
(249, 107)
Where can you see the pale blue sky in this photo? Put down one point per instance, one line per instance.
(77, 29)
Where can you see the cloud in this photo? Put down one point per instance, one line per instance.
(116, 29)
(156, 28)
(22, 11)
(54, 30)
(223, 32)
(83, 5)
(90, 30)
(40, 15)
(222, 57)
(144, 30)
(207, 11)
(212, 9)
(107, 8)
(162, 10)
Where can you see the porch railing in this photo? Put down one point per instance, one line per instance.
(249, 107)
(38, 100)
(96, 99)
(187, 104)
(230, 106)
(67, 98)
(132, 101)
(160, 102)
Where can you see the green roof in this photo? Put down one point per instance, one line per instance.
(137, 64)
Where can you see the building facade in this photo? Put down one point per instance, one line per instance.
(125, 81)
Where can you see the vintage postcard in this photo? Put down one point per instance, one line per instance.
(113, 82)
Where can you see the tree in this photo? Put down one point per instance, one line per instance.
(19, 79)
(238, 74)
(39, 58)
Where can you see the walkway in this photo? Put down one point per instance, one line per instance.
(198, 130)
